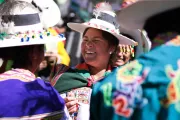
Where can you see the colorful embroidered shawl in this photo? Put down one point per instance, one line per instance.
(24, 97)
(146, 89)
(71, 78)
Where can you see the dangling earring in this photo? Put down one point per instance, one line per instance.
(110, 53)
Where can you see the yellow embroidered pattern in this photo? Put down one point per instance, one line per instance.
(173, 90)
(129, 72)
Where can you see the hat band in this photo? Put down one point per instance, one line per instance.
(21, 20)
(108, 18)
(102, 23)
(94, 24)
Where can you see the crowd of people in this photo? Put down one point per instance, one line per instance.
(130, 65)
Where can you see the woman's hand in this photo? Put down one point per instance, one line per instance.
(71, 104)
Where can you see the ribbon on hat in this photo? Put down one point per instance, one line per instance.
(108, 18)
(21, 20)
(104, 11)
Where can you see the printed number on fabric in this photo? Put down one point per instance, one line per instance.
(173, 90)
(128, 94)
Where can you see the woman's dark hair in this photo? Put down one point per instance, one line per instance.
(163, 22)
(21, 59)
(112, 40)
(19, 55)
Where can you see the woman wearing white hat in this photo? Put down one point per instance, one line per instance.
(22, 39)
(101, 35)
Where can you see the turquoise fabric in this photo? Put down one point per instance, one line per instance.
(145, 89)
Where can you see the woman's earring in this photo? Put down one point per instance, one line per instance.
(110, 53)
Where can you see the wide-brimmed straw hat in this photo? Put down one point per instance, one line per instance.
(134, 15)
(104, 19)
(20, 29)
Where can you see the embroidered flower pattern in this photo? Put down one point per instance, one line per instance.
(128, 73)
(173, 90)
(128, 94)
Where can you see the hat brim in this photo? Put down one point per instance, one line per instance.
(37, 41)
(79, 27)
(135, 15)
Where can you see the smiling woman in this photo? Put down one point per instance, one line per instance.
(96, 47)
(100, 38)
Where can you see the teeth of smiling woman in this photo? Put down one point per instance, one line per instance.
(89, 52)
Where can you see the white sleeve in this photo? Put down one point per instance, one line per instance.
(65, 108)
(83, 112)
(67, 113)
